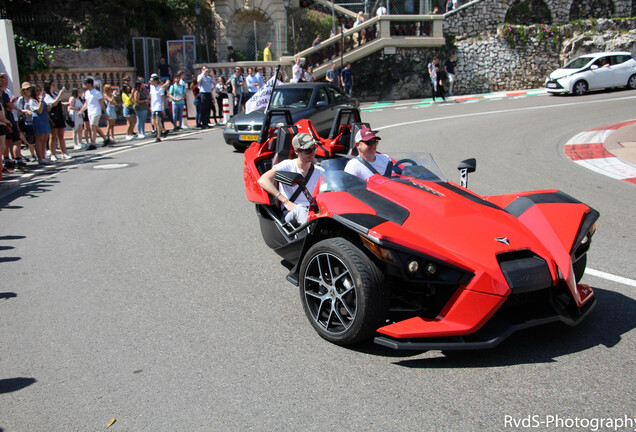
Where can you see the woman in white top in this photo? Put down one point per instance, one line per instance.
(55, 109)
(74, 106)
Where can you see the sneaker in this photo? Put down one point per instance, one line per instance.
(53, 158)
(164, 133)
(157, 139)
(21, 164)
(45, 162)
(91, 147)
(107, 142)
(129, 137)
(185, 127)
(9, 164)
(48, 153)
(67, 156)
(78, 147)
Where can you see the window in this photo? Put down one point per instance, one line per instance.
(336, 95)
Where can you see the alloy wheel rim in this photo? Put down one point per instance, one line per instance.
(330, 293)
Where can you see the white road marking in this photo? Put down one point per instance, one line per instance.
(502, 111)
(611, 277)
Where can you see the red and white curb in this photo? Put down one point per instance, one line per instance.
(587, 149)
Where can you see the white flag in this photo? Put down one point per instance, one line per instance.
(261, 97)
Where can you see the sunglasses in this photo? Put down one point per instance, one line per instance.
(370, 143)
(309, 150)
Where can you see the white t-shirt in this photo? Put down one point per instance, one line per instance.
(156, 98)
(297, 72)
(381, 11)
(288, 191)
(357, 168)
(92, 98)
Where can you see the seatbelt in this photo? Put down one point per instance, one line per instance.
(304, 183)
(387, 172)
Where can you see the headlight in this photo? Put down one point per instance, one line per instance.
(229, 125)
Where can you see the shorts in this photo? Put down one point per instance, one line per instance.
(14, 135)
(93, 119)
(78, 122)
(112, 113)
(157, 115)
(3, 130)
(129, 111)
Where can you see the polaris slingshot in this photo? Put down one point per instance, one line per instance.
(417, 261)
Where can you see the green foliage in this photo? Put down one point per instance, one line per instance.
(33, 56)
(520, 35)
(308, 23)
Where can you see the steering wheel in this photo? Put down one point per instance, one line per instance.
(396, 169)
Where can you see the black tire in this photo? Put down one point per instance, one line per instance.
(342, 292)
(631, 82)
(580, 88)
(239, 147)
(579, 268)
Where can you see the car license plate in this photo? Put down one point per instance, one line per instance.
(552, 85)
(248, 137)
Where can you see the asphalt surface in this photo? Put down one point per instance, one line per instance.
(137, 287)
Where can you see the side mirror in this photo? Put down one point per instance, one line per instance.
(594, 66)
(466, 166)
(288, 178)
(321, 103)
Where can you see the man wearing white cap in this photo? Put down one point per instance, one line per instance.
(293, 200)
(369, 162)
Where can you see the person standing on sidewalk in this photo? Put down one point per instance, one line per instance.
(41, 125)
(176, 93)
(140, 98)
(74, 107)
(449, 66)
(206, 82)
(129, 112)
(56, 112)
(157, 94)
(346, 79)
(433, 76)
(94, 105)
(111, 111)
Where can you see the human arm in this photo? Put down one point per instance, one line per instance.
(266, 181)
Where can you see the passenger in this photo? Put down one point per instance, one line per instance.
(293, 200)
(369, 162)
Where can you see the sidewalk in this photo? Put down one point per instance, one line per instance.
(17, 178)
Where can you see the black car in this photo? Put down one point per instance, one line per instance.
(315, 101)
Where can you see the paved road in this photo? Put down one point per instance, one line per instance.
(145, 293)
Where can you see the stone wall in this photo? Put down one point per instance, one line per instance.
(96, 58)
(479, 16)
(487, 63)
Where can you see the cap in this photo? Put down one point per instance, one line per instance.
(303, 141)
(26, 85)
(154, 76)
(366, 134)
(88, 80)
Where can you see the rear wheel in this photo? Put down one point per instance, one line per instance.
(631, 82)
(342, 292)
(580, 88)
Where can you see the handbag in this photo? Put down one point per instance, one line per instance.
(69, 120)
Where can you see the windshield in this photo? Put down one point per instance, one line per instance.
(291, 97)
(578, 63)
(414, 165)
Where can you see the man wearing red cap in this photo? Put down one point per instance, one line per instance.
(369, 162)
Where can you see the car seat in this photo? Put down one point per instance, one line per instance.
(284, 149)
(355, 127)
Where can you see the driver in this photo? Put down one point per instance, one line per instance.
(369, 162)
(293, 200)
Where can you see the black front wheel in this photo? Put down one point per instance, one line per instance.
(580, 88)
(342, 292)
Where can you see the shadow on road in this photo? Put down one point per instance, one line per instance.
(613, 316)
(14, 384)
